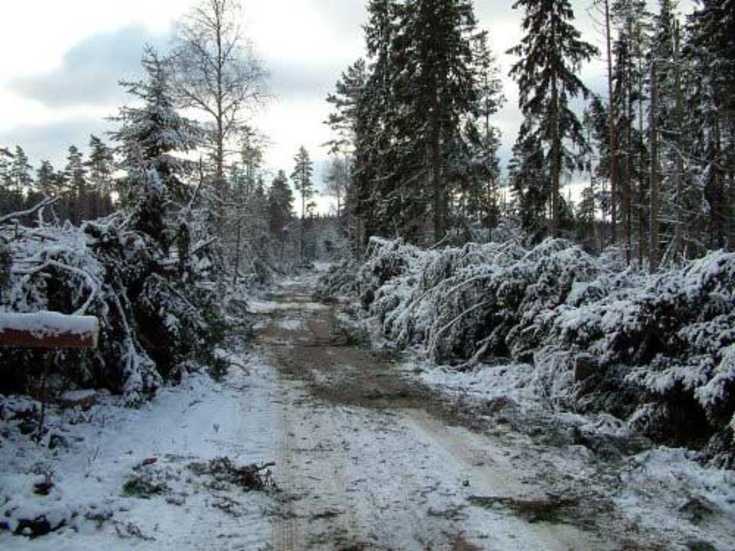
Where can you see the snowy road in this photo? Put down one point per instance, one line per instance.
(370, 460)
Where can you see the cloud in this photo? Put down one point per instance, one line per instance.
(290, 79)
(51, 141)
(90, 70)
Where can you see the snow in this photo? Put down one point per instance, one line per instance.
(259, 306)
(290, 324)
(644, 334)
(41, 324)
(666, 479)
(196, 421)
(72, 396)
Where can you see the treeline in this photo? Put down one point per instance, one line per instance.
(83, 187)
(414, 122)
(213, 187)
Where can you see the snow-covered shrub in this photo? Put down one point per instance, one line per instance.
(675, 331)
(176, 325)
(339, 280)
(491, 299)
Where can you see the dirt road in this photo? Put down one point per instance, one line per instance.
(370, 459)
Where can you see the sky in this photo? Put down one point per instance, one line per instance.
(61, 63)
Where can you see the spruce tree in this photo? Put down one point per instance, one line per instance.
(711, 52)
(436, 87)
(150, 136)
(280, 205)
(551, 53)
(483, 185)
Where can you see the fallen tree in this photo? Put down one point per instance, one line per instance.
(655, 350)
(150, 322)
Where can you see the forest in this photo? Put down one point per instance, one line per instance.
(595, 266)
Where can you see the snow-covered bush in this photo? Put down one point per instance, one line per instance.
(658, 349)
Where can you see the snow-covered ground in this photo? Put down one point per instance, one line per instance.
(367, 455)
(106, 446)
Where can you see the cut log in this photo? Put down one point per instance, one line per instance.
(48, 330)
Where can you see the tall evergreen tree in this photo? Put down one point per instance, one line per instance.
(436, 87)
(301, 177)
(630, 50)
(551, 53)
(280, 205)
(711, 51)
(75, 176)
(150, 136)
(483, 189)
(100, 168)
(8, 199)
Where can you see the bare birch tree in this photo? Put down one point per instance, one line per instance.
(217, 73)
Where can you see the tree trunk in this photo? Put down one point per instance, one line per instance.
(642, 221)
(679, 229)
(436, 169)
(613, 128)
(653, 253)
(555, 159)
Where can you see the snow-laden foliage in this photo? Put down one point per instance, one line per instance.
(659, 349)
(148, 324)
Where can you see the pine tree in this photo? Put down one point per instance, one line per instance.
(46, 179)
(20, 177)
(100, 168)
(246, 229)
(75, 177)
(551, 54)
(7, 199)
(301, 177)
(337, 181)
(630, 49)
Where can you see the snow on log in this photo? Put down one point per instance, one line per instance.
(48, 330)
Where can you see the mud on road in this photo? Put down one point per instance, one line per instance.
(369, 458)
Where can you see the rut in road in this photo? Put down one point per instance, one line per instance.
(370, 459)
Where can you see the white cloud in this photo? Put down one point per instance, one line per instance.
(67, 53)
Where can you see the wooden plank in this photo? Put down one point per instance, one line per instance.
(48, 330)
